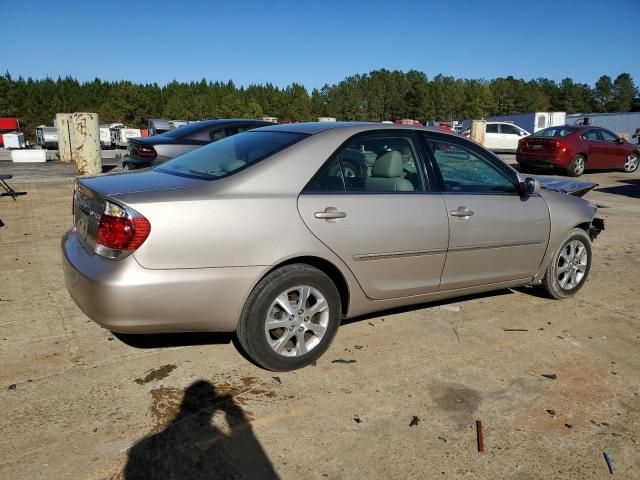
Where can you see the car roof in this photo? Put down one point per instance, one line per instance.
(312, 128)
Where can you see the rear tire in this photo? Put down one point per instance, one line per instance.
(290, 318)
(524, 168)
(570, 265)
(577, 166)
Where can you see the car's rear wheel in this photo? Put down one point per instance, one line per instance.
(577, 166)
(290, 318)
(570, 265)
(524, 168)
(632, 162)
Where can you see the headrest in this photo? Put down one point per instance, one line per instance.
(388, 165)
(233, 165)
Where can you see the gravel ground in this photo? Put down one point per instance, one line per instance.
(396, 396)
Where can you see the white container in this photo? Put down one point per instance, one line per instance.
(326, 119)
(13, 140)
(29, 156)
(105, 136)
(126, 134)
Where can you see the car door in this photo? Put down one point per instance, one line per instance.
(509, 137)
(492, 139)
(614, 152)
(496, 234)
(385, 223)
(594, 148)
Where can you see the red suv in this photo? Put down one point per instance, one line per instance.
(575, 148)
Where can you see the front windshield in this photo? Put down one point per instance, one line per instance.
(554, 132)
(224, 157)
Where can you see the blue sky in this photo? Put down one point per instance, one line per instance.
(318, 42)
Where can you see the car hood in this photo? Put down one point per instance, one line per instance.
(137, 182)
(570, 187)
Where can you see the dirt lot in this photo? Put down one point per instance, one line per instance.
(77, 402)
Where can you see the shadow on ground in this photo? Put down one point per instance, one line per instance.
(164, 340)
(192, 447)
(420, 306)
(629, 188)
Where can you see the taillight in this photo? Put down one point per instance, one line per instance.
(560, 145)
(144, 151)
(120, 232)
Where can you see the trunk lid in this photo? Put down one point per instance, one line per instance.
(539, 144)
(91, 194)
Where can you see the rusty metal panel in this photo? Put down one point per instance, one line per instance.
(85, 143)
(62, 122)
(478, 130)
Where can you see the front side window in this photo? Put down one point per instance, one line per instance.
(225, 156)
(465, 171)
(374, 163)
(510, 130)
(591, 135)
(607, 136)
(492, 128)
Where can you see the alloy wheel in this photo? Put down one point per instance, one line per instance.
(572, 264)
(631, 164)
(578, 166)
(296, 321)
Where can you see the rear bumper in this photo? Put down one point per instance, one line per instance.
(124, 297)
(538, 160)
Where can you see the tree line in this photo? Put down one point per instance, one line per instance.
(375, 96)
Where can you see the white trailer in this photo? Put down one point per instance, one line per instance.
(47, 137)
(105, 137)
(533, 121)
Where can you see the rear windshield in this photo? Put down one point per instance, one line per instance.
(224, 157)
(184, 130)
(554, 132)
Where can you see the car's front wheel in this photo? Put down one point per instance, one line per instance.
(577, 166)
(632, 162)
(290, 318)
(570, 265)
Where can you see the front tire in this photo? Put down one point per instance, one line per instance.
(570, 266)
(577, 167)
(290, 318)
(632, 162)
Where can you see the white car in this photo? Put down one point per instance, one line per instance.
(502, 136)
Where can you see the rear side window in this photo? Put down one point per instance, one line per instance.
(224, 157)
(554, 132)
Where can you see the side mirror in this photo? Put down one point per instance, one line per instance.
(522, 134)
(620, 140)
(530, 186)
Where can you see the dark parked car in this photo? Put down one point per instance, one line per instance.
(149, 151)
(576, 148)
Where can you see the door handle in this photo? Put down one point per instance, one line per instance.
(330, 213)
(462, 212)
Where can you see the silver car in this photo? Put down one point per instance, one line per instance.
(262, 233)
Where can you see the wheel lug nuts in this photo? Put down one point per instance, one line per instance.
(300, 312)
(306, 319)
(291, 328)
(301, 329)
